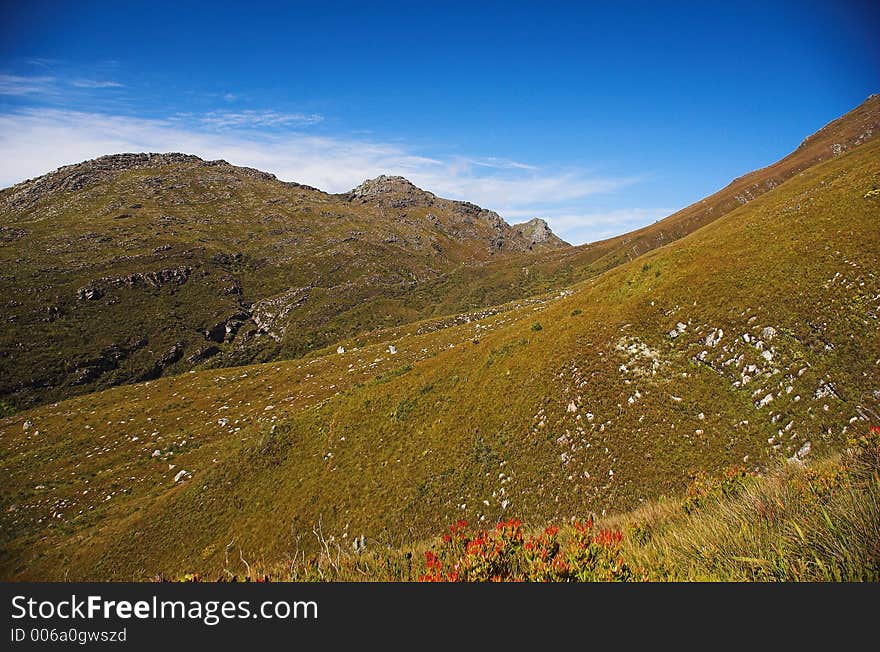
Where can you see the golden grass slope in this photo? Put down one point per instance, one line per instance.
(579, 401)
(472, 287)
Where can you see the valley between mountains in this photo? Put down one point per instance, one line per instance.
(204, 367)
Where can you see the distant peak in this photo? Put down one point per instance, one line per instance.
(384, 184)
(536, 229)
(536, 222)
(135, 160)
(538, 232)
(395, 188)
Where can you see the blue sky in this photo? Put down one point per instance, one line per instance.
(600, 117)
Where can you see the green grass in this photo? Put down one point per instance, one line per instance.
(797, 522)
(602, 411)
(241, 232)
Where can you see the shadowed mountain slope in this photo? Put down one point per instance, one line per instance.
(134, 266)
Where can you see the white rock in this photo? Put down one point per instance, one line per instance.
(181, 475)
(803, 451)
(768, 333)
(392, 349)
(340, 349)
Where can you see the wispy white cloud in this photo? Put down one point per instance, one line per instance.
(500, 163)
(257, 119)
(37, 140)
(598, 225)
(48, 85)
(17, 85)
(42, 62)
(92, 83)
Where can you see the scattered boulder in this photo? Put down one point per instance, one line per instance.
(678, 330)
(714, 337)
(804, 450)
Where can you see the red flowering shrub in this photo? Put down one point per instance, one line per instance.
(506, 554)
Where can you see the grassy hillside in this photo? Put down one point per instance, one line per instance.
(755, 337)
(501, 281)
(814, 521)
(131, 267)
(134, 267)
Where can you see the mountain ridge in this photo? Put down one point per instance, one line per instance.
(749, 340)
(247, 267)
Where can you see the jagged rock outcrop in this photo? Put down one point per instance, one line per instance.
(394, 191)
(539, 234)
(471, 221)
(96, 289)
(174, 354)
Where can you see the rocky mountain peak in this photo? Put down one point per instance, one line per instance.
(385, 186)
(538, 232)
(76, 177)
(388, 183)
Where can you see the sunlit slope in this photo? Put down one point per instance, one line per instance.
(503, 280)
(547, 409)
